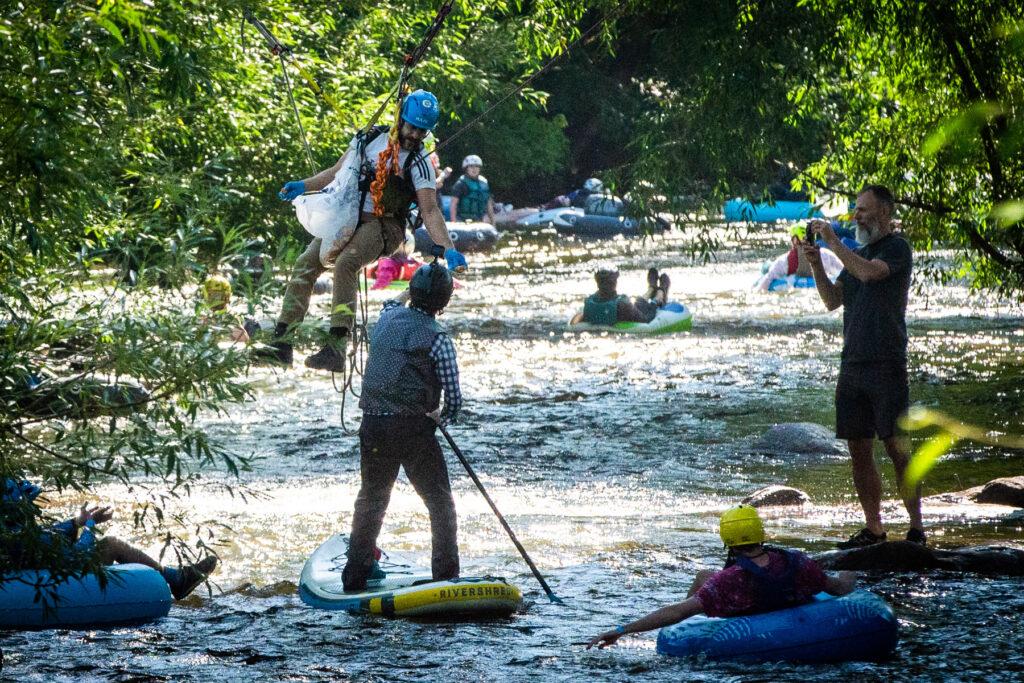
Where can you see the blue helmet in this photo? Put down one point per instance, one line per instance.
(14, 490)
(420, 109)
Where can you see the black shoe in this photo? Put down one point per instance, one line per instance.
(862, 539)
(331, 358)
(663, 284)
(652, 278)
(276, 352)
(191, 576)
(917, 536)
(251, 327)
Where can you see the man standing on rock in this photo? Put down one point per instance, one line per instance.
(873, 390)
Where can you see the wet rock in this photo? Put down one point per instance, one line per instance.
(801, 438)
(904, 556)
(776, 495)
(1005, 491)
(82, 398)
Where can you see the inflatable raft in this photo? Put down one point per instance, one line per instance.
(672, 317)
(593, 225)
(134, 594)
(855, 627)
(784, 284)
(467, 237)
(741, 210)
(557, 218)
(406, 591)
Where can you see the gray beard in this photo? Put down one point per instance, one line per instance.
(866, 235)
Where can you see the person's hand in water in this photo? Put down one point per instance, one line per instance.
(607, 638)
(292, 189)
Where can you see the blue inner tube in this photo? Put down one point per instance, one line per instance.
(134, 594)
(781, 284)
(856, 627)
(467, 237)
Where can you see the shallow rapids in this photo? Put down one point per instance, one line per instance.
(611, 457)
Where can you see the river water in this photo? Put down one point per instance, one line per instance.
(612, 458)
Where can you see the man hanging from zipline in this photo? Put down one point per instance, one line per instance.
(395, 172)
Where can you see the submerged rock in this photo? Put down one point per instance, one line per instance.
(801, 438)
(904, 556)
(776, 495)
(82, 398)
(1005, 491)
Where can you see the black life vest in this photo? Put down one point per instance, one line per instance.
(774, 592)
(399, 191)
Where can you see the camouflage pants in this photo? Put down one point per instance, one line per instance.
(374, 238)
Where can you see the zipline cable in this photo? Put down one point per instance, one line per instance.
(519, 88)
(279, 51)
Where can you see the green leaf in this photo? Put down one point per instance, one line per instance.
(925, 458)
(111, 28)
(1008, 213)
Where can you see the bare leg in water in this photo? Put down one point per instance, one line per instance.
(115, 551)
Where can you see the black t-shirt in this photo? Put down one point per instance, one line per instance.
(874, 313)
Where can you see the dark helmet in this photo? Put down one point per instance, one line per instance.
(431, 287)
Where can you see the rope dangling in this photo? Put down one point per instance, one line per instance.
(387, 162)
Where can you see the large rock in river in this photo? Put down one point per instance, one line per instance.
(1005, 491)
(904, 556)
(775, 495)
(801, 438)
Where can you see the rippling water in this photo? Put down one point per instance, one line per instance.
(612, 457)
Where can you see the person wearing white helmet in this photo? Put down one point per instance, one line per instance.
(471, 195)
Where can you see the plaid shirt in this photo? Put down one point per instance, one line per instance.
(442, 352)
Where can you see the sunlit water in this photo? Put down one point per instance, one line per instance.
(611, 457)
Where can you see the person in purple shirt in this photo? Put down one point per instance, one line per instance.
(757, 578)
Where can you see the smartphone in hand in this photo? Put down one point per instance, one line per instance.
(809, 237)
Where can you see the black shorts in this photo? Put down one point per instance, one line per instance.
(870, 397)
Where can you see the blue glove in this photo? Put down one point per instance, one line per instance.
(455, 260)
(292, 189)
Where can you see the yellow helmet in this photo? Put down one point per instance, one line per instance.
(740, 525)
(217, 292)
(798, 229)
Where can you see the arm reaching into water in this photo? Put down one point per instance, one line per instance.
(666, 616)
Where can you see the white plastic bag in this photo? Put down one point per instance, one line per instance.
(333, 213)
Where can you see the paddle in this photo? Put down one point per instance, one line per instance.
(519, 546)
